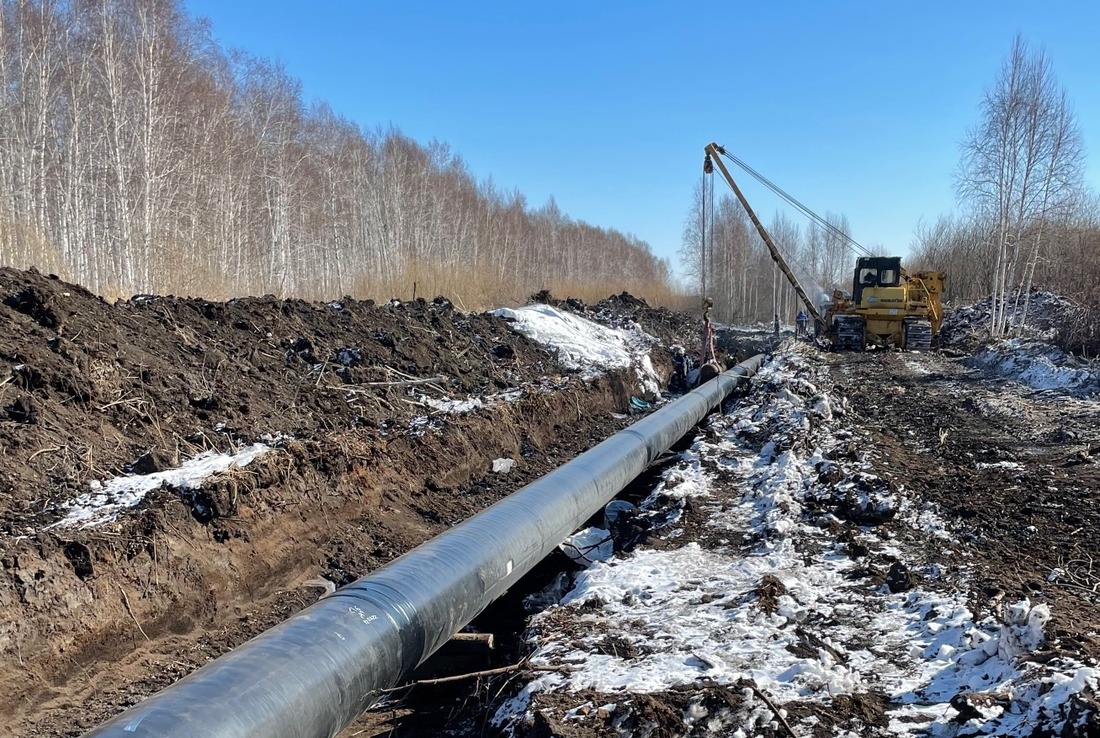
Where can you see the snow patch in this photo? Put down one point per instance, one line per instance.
(1030, 358)
(503, 466)
(447, 406)
(1036, 364)
(1012, 465)
(106, 499)
(452, 407)
(585, 346)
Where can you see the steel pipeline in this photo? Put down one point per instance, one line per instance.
(314, 673)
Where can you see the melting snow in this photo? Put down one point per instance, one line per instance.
(503, 466)
(915, 367)
(1030, 359)
(447, 406)
(106, 499)
(452, 407)
(587, 347)
(694, 613)
(1000, 465)
(582, 345)
(1036, 364)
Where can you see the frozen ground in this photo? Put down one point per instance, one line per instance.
(786, 577)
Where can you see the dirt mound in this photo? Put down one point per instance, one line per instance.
(379, 426)
(967, 326)
(91, 388)
(671, 328)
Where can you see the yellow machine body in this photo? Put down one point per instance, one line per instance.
(888, 305)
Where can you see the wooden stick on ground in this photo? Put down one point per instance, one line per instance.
(130, 610)
(521, 666)
(771, 706)
(430, 380)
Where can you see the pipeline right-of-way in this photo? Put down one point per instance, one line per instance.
(314, 673)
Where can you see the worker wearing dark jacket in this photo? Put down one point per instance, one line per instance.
(802, 319)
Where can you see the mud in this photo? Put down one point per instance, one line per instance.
(1012, 467)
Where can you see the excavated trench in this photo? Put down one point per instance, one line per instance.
(143, 605)
(431, 704)
(361, 470)
(501, 618)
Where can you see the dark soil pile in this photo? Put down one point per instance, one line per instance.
(91, 388)
(92, 620)
(671, 328)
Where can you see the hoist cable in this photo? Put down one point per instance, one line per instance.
(829, 228)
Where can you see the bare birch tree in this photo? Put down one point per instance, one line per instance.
(1020, 165)
(138, 156)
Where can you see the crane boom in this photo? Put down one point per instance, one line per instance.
(714, 152)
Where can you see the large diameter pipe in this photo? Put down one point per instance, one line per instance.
(314, 673)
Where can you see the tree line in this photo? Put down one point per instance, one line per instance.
(139, 156)
(724, 256)
(1027, 219)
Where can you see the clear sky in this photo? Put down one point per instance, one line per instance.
(852, 107)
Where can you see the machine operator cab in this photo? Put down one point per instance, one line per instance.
(875, 271)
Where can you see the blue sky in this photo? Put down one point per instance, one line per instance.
(852, 107)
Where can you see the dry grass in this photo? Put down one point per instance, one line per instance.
(22, 247)
(469, 289)
(1079, 330)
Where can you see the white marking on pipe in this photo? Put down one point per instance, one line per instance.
(367, 619)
